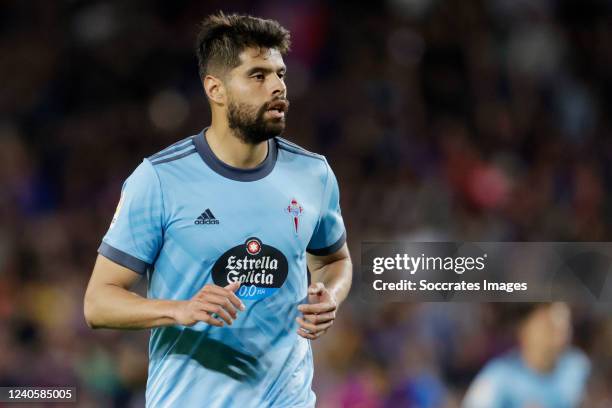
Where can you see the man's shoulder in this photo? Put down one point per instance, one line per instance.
(489, 388)
(502, 366)
(574, 360)
(509, 359)
(175, 151)
(292, 148)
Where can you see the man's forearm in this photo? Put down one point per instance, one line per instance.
(337, 277)
(114, 307)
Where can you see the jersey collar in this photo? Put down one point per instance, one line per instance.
(234, 173)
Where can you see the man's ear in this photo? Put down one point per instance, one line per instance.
(215, 90)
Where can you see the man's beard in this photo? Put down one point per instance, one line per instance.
(250, 124)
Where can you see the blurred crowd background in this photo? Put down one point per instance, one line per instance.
(478, 120)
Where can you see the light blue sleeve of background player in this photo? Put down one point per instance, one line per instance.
(329, 234)
(135, 235)
(507, 382)
(487, 390)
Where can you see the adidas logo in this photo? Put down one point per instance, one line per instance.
(207, 217)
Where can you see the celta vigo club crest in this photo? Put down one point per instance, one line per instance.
(294, 209)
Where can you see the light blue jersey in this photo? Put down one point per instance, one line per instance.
(506, 382)
(186, 219)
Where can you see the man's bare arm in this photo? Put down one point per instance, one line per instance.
(335, 271)
(331, 281)
(109, 303)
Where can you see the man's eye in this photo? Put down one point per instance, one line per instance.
(259, 77)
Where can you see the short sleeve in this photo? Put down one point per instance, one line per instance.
(135, 235)
(329, 234)
(484, 391)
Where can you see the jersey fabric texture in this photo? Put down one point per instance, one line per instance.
(186, 219)
(506, 382)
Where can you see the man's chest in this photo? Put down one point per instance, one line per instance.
(532, 392)
(207, 221)
(255, 236)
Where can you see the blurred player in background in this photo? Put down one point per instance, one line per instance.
(543, 372)
(220, 222)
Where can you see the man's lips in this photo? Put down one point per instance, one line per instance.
(276, 114)
(280, 106)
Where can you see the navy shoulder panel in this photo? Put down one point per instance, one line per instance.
(173, 152)
(293, 148)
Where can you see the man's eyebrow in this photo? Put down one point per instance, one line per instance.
(264, 70)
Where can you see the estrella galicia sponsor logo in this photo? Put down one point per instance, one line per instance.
(261, 269)
(206, 218)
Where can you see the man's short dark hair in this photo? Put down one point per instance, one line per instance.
(223, 37)
(514, 314)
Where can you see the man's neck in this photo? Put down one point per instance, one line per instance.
(231, 150)
(537, 361)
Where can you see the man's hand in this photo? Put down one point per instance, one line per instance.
(209, 304)
(319, 313)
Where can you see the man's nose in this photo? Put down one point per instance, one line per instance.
(278, 86)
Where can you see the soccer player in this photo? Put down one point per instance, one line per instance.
(225, 225)
(542, 373)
